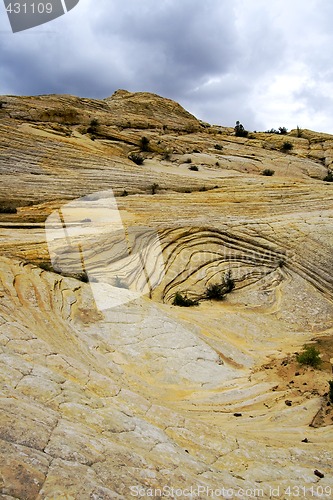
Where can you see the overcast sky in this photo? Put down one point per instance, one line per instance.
(265, 63)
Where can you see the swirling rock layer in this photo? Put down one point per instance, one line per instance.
(98, 402)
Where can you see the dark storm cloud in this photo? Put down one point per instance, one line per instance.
(162, 46)
(171, 46)
(264, 63)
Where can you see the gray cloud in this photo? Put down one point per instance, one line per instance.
(266, 64)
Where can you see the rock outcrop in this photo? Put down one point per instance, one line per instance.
(100, 403)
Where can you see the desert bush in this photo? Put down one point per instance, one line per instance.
(82, 277)
(46, 266)
(154, 188)
(286, 146)
(229, 282)
(330, 391)
(268, 172)
(144, 144)
(166, 156)
(182, 301)
(329, 176)
(124, 193)
(202, 189)
(137, 158)
(194, 168)
(217, 164)
(93, 127)
(299, 131)
(188, 160)
(281, 131)
(215, 291)
(271, 131)
(240, 130)
(6, 209)
(218, 147)
(310, 356)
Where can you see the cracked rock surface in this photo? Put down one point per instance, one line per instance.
(95, 401)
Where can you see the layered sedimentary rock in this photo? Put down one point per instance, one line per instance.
(106, 402)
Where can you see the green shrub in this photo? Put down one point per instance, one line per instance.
(329, 176)
(183, 301)
(330, 392)
(144, 144)
(271, 131)
(166, 156)
(299, 131)
(268, 172)
(137, 158)
(82, 277)
(46, 266)
(6, 209)
(240, 130)
(194, 168)
(154, 188)
(310, 356)
(93, 127)
(215, 291)
(286, 146)
(281, 131)
(229, 282)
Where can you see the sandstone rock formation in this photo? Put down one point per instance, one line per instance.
(117, 402)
